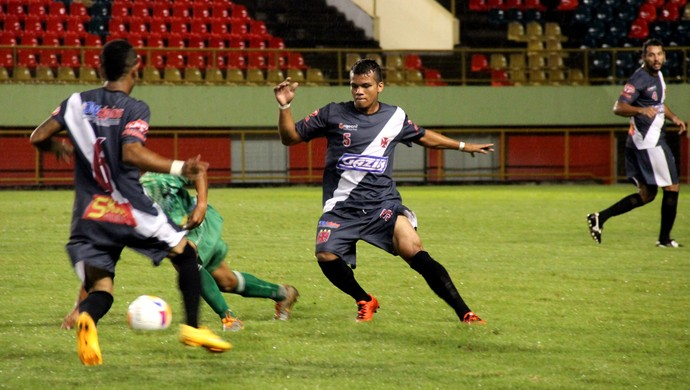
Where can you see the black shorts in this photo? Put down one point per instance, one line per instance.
(654, 167)
(339, 229)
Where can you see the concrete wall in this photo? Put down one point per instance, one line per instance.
(25, 106)
(412, 24)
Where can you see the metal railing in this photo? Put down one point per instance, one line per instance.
(576, 66)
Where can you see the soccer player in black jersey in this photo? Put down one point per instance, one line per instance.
(649, 162)
(360, 200)
(108, 129)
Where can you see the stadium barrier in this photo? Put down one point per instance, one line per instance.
(256, 157)
(330, 66)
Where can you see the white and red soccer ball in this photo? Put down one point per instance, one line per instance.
(149, 312)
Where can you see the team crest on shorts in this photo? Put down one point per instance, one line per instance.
(323, 236)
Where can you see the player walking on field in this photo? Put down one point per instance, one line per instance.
(649, 162)
(111, 210)
(360, 200)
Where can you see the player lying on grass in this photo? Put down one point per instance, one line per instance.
(205, 226)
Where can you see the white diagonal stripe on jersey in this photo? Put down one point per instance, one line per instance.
(350, 179)
(84, 135)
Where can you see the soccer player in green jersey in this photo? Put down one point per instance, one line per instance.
(205, 227)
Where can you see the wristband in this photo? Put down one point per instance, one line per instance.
(462, 146)
(284, 106)
(176, 167)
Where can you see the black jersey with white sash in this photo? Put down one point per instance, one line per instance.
(359, 159)
(99, 122)
(645, 90)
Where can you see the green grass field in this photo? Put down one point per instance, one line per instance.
(562, 312)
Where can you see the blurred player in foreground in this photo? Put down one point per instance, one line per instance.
(111, 210)
(170, 192)
(649, 161)
(360, 200)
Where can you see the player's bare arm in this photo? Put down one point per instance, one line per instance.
(42, 139)
(138, 155)
(626, 110)
(285, 93)
(434, 140)
(196, 217)
(675, 119)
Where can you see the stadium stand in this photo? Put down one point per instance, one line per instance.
(218, 37)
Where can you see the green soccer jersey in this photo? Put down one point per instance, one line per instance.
(170, 193)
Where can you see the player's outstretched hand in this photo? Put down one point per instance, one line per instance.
(285, 91)
(478, 148)
(194, 167)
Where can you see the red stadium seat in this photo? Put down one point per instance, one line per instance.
(479, 63)
(413, 61)
(176, 41)
(239, 13)
(647, 13)
(138, 25)
(158, 25)
(220, 10)
(33, 23)
(219, 27)
(120, 9)
(76, 26)
(181, 10)
(433, 77)
(174, 60)
(39, 9)
(70, 58)
(296, 61)
(93, 40)
(669, 13)
(6, 55)
(238, 29)
(161, 9)
(13, 24)
(140, 9)
(179, 26)
(567, 5)
(256, 60)
(478, 6)
(198, 26)
(201, 10)
(78, 10)
(257, 29)
(57, 9)
(639, 29)
(16, 7)
(217, 42)
(71, 39)
(154, 40)
(257, 43)
(55, 23)
(534, 4)
(196, 59)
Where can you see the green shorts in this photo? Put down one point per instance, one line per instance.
(209, 243)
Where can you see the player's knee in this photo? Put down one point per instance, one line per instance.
(187, 255)
(648, 194)
(325, 256)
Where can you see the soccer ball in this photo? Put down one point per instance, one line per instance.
(149, 313)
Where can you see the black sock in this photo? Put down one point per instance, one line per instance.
(338, 272)
(669, 207)
(440, 282)
(96, 304)
(622, 206)
(189, 282)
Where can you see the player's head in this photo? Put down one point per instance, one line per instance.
(653, 54)
(365, 66)
(365, 85)
(118, 59)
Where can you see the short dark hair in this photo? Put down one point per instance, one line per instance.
(117, 58)
(651, 42)
(364, 66)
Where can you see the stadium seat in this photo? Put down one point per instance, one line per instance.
(219, 10)
(213, 75)
(256, 60)
(33, 23)
(517, 77)
(576, 77)
(140, 9)
(4, 75)
(172, 75)
(516, 32)
(66, 74)
(88, 74)
(534, 4)
(199, 26)
(393, 61)
(234, 76)
(534, 31)
(639, 29)
(57, 9)
(537, 77)
(478, 6)
(413, 61)
(498, 61)
(38, 9)
(161, 9)
(158, 25)
(78, 10)
(55, 23)
(296, 61)
(239, 12)
(479, 63)
(647, 13)
(255, 76)
(557, 77)
(21, 73)
(201, 10)
(376, 57)
(669, 13)
(150, 74)
(500, 78)
(179, 26)
(567, 5)
(414, 77)
(600, 60)
(351, 58)
(193, 75)
(274, 76)
(120, 9)
(394, 77)
(181, 9)
(432, 77)
(315, 77)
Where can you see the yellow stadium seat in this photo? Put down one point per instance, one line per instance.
(151, 74)
(213, 75)
(88, 74)
(193, 75)
(235, 76)
(255, 76)
(66, 73)
(274, 76)
(315, 77)
(516, 32)
(172, 75)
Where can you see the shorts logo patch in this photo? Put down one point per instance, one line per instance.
(386, 214)
(329, 224)
(360, 162)
(106, 209)
(323, 236)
